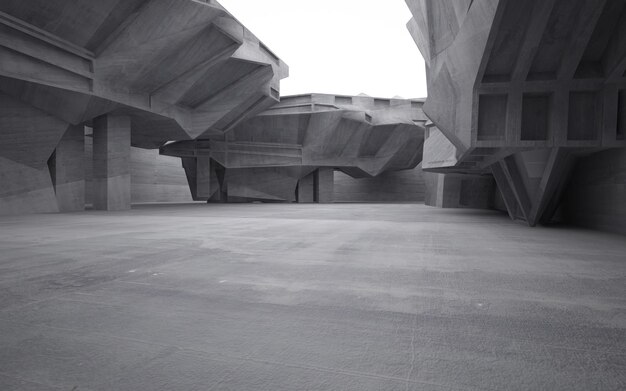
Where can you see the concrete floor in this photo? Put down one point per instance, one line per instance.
(308, 297)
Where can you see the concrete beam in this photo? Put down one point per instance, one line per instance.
(203, 177)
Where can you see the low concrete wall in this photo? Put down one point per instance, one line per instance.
(460, 191)
(154, 178)
(596, 195)
(397, 186)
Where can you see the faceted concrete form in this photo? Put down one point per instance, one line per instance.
(519, 90)
(289, 151)
(308, 297)
(177, 70)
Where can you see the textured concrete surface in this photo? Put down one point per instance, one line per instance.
(511, 97)
(394, 186)
(308, 297)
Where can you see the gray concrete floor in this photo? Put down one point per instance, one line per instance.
(308, 297)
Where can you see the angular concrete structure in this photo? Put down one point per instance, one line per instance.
(114, 102)
(520, 90)
(68, 171)
(176, 70)
(289, 152)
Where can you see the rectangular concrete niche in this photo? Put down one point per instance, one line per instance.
(477, 192)
(621, 115)
(343, 100)
(381, 103)
(491, 117)
(535, 117)
(582, 122)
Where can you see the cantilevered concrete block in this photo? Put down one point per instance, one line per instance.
(111, 163)
(460, 191)
(266, 156)
(68, 170)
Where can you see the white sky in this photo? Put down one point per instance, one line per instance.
(338, 46)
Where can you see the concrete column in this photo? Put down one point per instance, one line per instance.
(198, 171)
(306, 188)
(324, 185)
(67, 170)
(203, 177)
(111, 163)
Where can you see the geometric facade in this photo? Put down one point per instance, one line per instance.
(520, 90)
(521, 95)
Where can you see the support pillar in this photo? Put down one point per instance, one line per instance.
(324, 185)
(459, 191)
(203, 178)
(67, 170)
(198, 171)
(111, 163)
(306, 188)
(532, 183)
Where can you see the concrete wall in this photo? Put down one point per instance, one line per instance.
(396, 186)
(596, 195)
(154, 178)
(25, 189)
(28, 137)
(460, 191)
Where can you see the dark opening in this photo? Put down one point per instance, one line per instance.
(492, 117)
(535, 117)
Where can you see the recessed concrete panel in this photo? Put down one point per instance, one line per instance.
(621, 116)
(535, 117)
(582, 119)
(492, 117)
